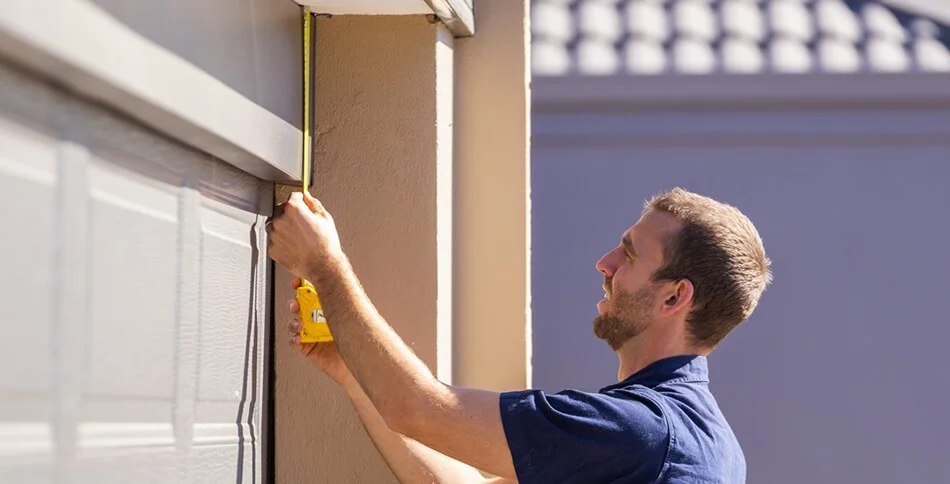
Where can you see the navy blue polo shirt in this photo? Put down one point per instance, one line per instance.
(660, 425)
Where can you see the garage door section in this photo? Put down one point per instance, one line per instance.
(133, 300)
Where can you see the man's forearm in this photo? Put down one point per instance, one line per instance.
(464, 424)
(409, 460)
(369, 346)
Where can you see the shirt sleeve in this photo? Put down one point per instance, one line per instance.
(584, 437)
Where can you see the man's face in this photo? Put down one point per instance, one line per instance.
(630, 297)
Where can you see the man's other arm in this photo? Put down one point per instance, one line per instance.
(410, 461)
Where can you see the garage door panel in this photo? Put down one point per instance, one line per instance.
(134, 278)
(27, 173)
(225, 279)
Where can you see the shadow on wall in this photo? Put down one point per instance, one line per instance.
(254, 47)
(840, 374)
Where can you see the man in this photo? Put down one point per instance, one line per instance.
(689, 271)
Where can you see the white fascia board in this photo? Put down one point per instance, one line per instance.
(80, 47)
(368, 7)
(608, 93)
(457, 15)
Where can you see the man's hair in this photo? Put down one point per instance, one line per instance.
(719, 250)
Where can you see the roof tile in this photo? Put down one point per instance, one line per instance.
(790, 56)
(791, 18)
(881, 22)
(886, 55)
(742, 56)
(549, 58)
(692, 56)
(695, 19)
(645, 57)
(836, 20)
(552, 20)
(599, 19)
(743, 18)
(647, 19)
(838, 55)
(931, 55)
(597, 57)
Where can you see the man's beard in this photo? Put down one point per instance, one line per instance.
(627, 316)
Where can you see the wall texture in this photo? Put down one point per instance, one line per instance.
(838, 377)
(492, 199)
(382, 148)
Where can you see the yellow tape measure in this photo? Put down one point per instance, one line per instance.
(315, 329)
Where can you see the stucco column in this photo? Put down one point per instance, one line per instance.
(493, 212)
(383, 158)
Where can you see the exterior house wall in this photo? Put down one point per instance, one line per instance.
(493, 204)
(411, 139)
(839, 368)
(382, 150)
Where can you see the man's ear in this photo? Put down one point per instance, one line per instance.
(678, 296)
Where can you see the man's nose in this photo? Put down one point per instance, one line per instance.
(607, 265)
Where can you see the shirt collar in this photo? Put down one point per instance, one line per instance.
(690, 368)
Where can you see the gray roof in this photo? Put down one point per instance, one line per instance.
(644, 37)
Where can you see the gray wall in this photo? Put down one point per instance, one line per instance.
(840, 374)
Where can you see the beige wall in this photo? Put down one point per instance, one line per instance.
(492, 236)
(383, 145)
(385, 94)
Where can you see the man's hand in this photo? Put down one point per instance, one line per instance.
(324, 355)
(302, 236)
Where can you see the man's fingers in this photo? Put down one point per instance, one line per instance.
(295, 283)
(294, 306)
(294, 326)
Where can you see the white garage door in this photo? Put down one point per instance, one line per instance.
(132, 298)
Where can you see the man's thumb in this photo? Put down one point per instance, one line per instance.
(313, 203)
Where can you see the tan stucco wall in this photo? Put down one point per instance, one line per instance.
(493, 236)
(382, 148)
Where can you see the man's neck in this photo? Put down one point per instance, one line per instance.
(644, 349)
